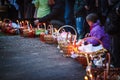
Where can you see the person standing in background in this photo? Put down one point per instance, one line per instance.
(92, 6)
(102, 10)
(12, 12)
(15, 5)
(113, 29)
(21, 9)
(80, 14)
(69, 13)
(42, 8)
(30, 9)
(13, 2)
(56, 14)
(2, 2)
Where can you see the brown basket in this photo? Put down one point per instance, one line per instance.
(42, 37)
(100, 73)
(82, 60)
(61, 44)
(5, 26)
(114, 74)
(40, 29)
(67, 50)
(28, 33)
(67, 47)
(13, 32)
(7, 29)
(23, 27)
(93, 54)
(48, 38)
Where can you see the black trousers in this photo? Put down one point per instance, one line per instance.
(116, 50)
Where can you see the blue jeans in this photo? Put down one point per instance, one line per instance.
(69, 15)
(80, 26)
(69, 12)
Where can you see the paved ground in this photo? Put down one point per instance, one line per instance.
(30, 59)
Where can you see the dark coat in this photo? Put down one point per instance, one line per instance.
(113, 29)
(79, 8)
(92, 6)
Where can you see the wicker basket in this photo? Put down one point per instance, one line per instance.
(6, 25)
(13, 31)
(114, 74)
(42, 37)
(41, 27)
(67, 50)
(23, 26)
(87, 55)
(65, 46)
(28, 33)
(7, 29)
(48, 38)
(26, 29)
(82, 60)
(100, 74)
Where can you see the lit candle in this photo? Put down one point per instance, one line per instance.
(91, 77)
(85, 78)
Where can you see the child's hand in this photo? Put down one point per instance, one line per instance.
(87, 35)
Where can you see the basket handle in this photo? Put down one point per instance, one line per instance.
(51, 28)
(71, 28)
(44, 24)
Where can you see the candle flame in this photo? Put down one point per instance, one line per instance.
(91, 76)
(85, 78)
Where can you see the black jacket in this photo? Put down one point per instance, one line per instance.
(79, 8)
(113, 26)
(57, 12)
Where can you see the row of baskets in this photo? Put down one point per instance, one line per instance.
(6, 26)
(66, 42)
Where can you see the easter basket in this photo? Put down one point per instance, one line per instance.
(6, 25)
(49, 37)
(66, 43)
(41, 27)
(42, 33)
(95, 58)
(29, 32)
(86, 53)
(13, 31)
(23, 27)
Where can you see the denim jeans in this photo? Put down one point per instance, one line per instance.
(80, 26)
(69, 12)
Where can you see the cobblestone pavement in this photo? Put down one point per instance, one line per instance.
(29, 59)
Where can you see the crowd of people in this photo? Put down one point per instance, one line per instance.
(99, 18)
